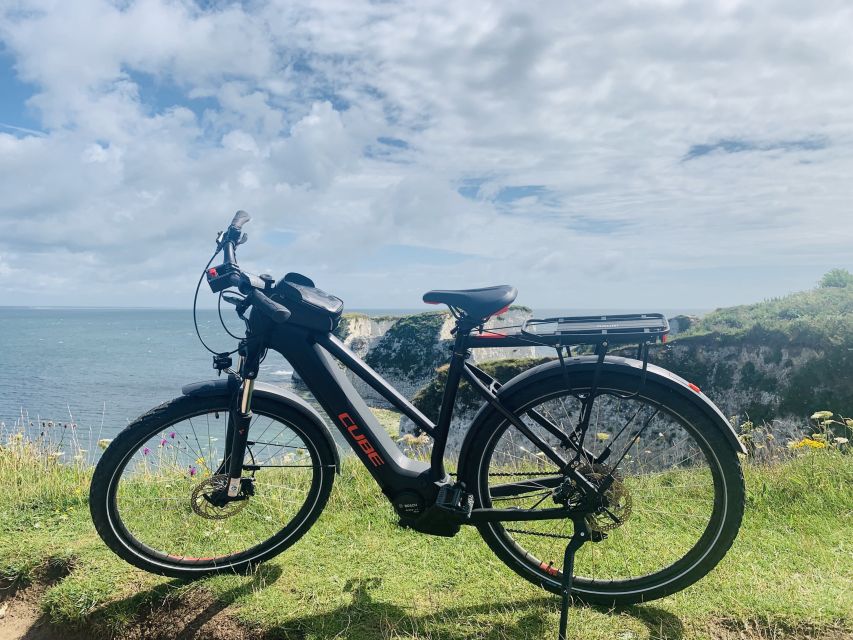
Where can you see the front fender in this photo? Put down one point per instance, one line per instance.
(227, 386)
(613, 363)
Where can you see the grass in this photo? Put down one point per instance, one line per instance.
(357, 575)
(818, 318)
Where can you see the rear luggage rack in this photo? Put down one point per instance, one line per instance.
(613, 329)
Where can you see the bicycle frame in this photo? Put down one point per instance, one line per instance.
(312, 355)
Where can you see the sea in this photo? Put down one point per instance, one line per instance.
(86, 373)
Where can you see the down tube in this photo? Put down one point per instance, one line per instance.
(393, 471)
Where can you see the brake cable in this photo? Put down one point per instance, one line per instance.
(195, 302)
(222, 320)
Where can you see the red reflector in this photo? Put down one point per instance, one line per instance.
(499, 312)
(694, 387)
(490, 334)
(663, 338)
(212, 272)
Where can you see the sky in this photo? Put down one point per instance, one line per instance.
(630, 155)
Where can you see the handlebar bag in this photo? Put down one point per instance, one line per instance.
(309, 306)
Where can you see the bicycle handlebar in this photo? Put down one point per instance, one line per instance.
(230, 275)
(277, 312)
(240, 218)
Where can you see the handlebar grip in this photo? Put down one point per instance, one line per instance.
(240, 218)
(277, 312)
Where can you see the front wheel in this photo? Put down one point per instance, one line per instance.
(154, 492)
(674, 506)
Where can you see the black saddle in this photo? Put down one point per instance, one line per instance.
(475, 303)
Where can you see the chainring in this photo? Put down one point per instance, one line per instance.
(617, 495)
(201, 506)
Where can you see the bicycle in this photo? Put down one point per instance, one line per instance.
(570, 471)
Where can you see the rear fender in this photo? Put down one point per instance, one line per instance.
(612, 363)
(227, 386)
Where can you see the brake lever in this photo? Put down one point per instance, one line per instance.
(242, 239)
(232, 299)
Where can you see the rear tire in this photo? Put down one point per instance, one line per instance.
(705, 483)
(147, 494)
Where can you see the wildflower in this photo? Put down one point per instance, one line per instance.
(146, 451)
(821, 415)
(193, 471)
(199, 460)
(103, 443)
(807, 442)
(841, 440)
(172, 435)
(56, 454)
(163, 442)
(19, 437)
(602, 436)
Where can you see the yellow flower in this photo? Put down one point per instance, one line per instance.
(103, 443)
(808, 442)
(199, 460)
(602, 436)
(821, 415)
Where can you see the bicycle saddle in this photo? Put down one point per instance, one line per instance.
(476, 303)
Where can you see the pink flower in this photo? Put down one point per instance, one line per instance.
(193, 471)
(163, 442)
(172, 435)
(146, 451)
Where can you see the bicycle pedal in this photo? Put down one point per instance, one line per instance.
(455, 499)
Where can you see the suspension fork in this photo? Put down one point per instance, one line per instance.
(240, 416)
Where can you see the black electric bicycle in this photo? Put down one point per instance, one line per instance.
(571, 471)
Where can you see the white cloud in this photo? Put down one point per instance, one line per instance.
(280, 106)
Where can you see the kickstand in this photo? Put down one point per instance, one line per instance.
(581, 534)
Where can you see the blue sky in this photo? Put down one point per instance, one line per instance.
(664, 155)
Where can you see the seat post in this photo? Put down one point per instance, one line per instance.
(464, 326)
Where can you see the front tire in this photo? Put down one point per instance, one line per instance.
(682, 492)
(149, 494)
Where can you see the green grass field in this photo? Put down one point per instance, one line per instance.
(357, 575)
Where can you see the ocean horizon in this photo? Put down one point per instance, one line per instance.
(98, 368)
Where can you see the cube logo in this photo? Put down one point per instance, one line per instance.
(361, 439)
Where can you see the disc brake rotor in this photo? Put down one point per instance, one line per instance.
(203, 507)
(617, 496)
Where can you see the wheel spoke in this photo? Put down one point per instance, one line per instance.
(173, 468)
(662, 485)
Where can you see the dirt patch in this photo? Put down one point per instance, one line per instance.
(21, 617)
(196, 615)
(192, 615)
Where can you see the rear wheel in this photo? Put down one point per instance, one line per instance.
(153, 495)
(674, 507)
